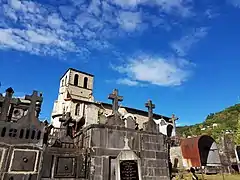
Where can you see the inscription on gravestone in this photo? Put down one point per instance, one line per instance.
(129, 170)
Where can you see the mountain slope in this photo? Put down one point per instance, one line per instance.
(215, 124)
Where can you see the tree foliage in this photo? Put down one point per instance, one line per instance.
(237, 134)
(215, 124)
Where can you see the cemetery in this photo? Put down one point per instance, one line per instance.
(119, 143)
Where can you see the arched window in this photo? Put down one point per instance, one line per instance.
(62, 82)
(77, 110)
(85, 82)
(33, 134)
(66, 80)
(76, 77)
(3, 132)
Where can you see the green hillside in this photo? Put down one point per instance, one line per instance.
(223, 121)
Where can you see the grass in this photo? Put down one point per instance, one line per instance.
(212, 177)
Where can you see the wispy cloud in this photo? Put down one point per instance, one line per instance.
(79, 26)
(182, 46)
(154, 70)
(235, 3)
(128, 82)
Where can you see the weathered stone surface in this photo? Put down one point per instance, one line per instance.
(107, 168)
(65, 167)
(130, 123)
(99, 137)
(161, 155)
(47, 165)
(149, 154)
(150, 126)
(116, 139)
(98, 170)
(23, 160)
(115, 120)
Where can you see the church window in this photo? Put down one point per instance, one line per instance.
(85, 82)
(39, 135)
(33, 134)
(27, 134)
(66, 80)
(76, 77)
(21, 133)
(77, 109)
(3, 132)
(62, 82)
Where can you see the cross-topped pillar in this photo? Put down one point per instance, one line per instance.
(34, 98)
(150, 107)
(6, 102)
(174, 119)
(115, 99)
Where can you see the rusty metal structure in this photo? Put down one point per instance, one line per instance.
(200, 151)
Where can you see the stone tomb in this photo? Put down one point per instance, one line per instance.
(128, 164)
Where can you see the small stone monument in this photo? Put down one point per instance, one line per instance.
(128, 164)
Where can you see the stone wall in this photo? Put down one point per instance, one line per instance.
(106, 142)
(176, 157)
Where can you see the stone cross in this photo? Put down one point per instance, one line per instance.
(6, 102)
(150, 107)
(34, 98)
(173, 119)
(115, 99)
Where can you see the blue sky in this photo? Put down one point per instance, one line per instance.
(182, 54)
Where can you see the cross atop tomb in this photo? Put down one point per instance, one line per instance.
(34, 98)
(174, 119)
(115, 99)
(150, 107)
(6, 102)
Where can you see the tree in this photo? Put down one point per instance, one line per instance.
(237, 135)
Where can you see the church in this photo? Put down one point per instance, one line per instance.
(75, 97)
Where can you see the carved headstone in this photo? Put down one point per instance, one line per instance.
(150, 125)
(128, 164)
(130, 123)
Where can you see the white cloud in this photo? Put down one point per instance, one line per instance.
(128, 82)
(129, 21)
(155, 70)
(80, 26)
(182, 46)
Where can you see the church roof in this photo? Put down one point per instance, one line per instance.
(76, 71)
(138, 111)
(129, 110)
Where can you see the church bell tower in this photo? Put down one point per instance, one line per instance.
(75, 87)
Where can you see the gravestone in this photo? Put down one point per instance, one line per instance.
(128, 165)
(130, 123)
